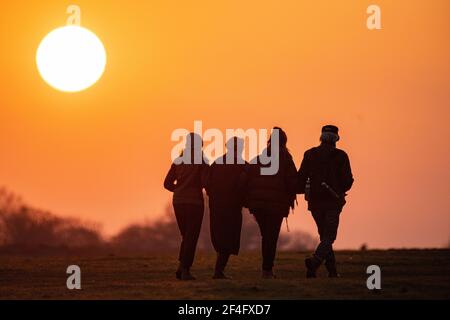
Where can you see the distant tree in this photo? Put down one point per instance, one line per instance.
(161, 235)
(22, 226)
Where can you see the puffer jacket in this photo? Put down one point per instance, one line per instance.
(277, 192)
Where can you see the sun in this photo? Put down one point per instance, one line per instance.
(71, 58)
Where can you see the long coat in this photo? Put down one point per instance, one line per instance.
(225, 186)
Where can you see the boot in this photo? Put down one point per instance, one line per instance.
(220, 275)
(186, 274)
(331, 268)
(221, 262)
(312, 264)
(178, 272)
(268, 274)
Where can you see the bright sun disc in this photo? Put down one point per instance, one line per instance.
(71, 58)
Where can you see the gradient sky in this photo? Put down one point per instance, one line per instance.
(102, 154)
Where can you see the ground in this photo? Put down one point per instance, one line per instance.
(406, 274)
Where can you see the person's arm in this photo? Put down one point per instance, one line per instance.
(243, 179)
(205, 176)
(346, 176)
(302, 174)
(291, 176)
(242, 183)
(169, 181)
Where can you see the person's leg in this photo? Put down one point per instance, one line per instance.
(261, 220)
(225, 235)
(237, 231)
(330, 234)
(273, 227)
(180, 215)
(269, 225)
(329, 221)
(219, 227)
(330, 227)
(193, 225)
(216, 216)
(330, 264)
(233, 223)
(318, 216)
(214, 226)
(221, 262)
(312, 264)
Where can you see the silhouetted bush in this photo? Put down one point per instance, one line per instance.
(164, 235)
(23, 226)
(26, 229)
(161, 235)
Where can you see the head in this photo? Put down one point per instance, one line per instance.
(282, 138)
(192, 153)
(276, 147)
(330, 135)
(235, 146)
(194, 142)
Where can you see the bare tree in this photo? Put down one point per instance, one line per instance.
(22, 226)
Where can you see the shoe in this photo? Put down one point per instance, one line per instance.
(220, 275)
(334, 275)
(178, 272)
(331, 268)
(268, 275)
(312, 264)
(186, 275)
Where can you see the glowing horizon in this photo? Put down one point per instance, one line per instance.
(101, 154)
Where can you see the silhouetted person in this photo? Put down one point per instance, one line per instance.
(325, 176)
(186, 179)
(225, 187)
(269, 197)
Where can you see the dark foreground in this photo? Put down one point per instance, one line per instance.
(406, 274)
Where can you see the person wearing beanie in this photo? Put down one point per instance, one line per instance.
(324, 177)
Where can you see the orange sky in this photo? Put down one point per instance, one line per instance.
(102, 154)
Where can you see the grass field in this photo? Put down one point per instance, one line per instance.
(406, 274)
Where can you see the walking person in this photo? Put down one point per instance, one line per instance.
(186, 179)
(324, 177)
(270, 196)
(225, 187)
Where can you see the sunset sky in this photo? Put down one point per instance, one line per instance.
(101, 154)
